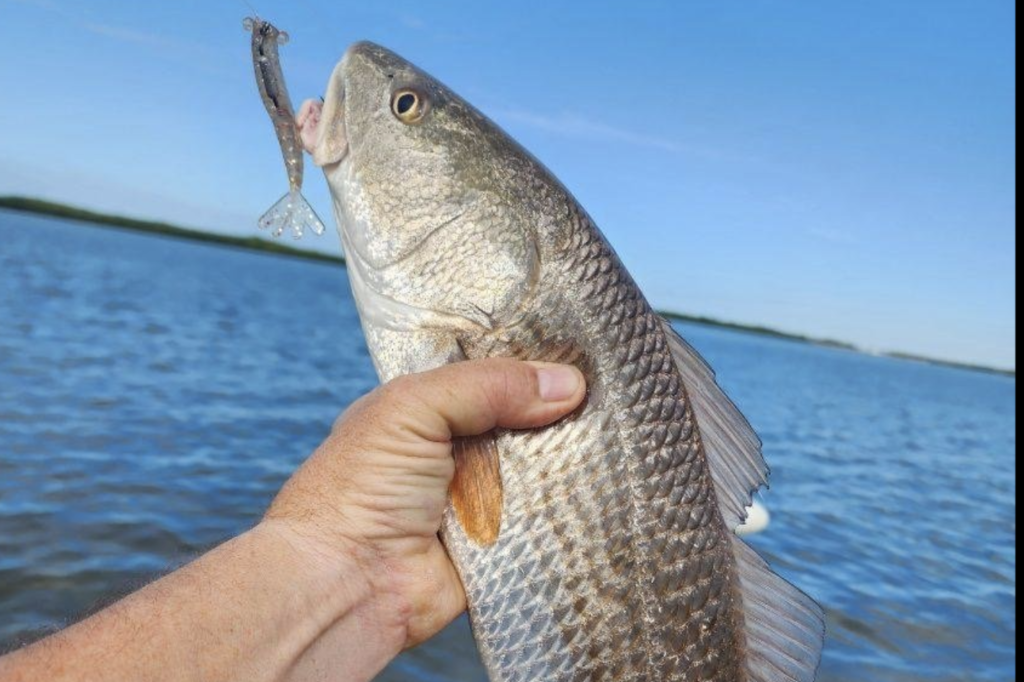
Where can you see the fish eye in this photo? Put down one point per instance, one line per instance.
(408, 106)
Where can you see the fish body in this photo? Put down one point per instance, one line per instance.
(292, 211)
(611, 554)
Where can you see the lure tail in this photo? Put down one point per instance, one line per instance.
(291, 212)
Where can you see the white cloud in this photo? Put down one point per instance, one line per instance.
(832, 235)
(573, 125)
(411, 21)
(198, 56)
(129, 35)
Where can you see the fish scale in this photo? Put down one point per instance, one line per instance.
(674, 592)
(604, 549)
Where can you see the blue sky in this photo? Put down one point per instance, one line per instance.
(838, 169)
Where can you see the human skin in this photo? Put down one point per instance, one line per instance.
(344, 571)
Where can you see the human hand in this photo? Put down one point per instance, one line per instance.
(376, 489)
(345, 570)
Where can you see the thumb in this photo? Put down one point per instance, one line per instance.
(473, 397)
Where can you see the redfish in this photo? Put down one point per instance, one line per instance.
(601, 548)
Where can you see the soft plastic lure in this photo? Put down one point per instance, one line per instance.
(292, 211)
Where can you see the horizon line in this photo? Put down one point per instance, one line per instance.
(58, 209)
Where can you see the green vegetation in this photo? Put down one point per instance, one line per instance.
(256, 244)
(829, 343)
(955, 365)
(155, 227)
(760, 331)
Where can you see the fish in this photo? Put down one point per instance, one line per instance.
(602, 547)
(292, 211)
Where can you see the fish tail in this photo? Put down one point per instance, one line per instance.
(291, 212)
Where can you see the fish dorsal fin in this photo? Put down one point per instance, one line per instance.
(733, 449)
(785, 627)
(476, 491)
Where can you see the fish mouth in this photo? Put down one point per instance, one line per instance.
(331, 139)
(326, 130)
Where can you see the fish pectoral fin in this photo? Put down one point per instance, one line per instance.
(476, 491)
(785, 627)
(732, 448)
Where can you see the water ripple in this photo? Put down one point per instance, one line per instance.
(154, 394)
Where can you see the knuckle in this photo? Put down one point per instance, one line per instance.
(507, 382)
(393, 389)
(359, 406)
(366, 417)
(396, 395)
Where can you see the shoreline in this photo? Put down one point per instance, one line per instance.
(835, 345)
(59, 210)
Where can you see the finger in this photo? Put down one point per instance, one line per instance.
(470, 398)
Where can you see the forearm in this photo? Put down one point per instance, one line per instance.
(366, 576)
(263, 606)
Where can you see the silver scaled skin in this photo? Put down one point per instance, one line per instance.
(616, 559)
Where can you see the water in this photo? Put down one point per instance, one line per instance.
(154, 394)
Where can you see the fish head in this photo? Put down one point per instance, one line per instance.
(437, 207)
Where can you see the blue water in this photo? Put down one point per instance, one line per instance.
(154, 394)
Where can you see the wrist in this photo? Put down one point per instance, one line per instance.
(345, 586)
